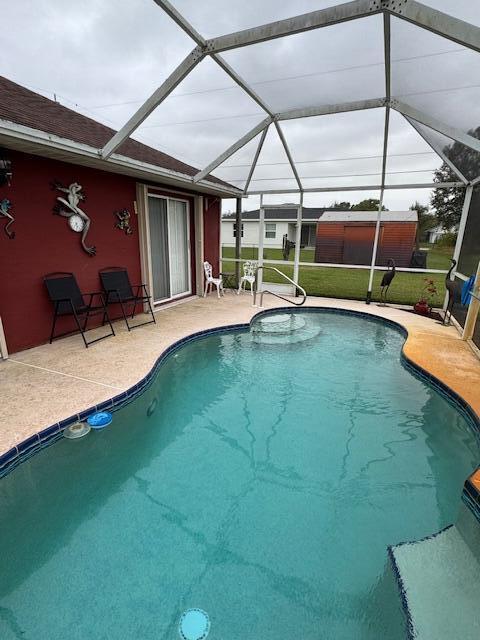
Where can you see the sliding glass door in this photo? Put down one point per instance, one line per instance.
(168, 221)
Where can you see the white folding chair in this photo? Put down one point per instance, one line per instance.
(210, 280)
(249, 275)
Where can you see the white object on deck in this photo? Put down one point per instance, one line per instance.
(210, 280)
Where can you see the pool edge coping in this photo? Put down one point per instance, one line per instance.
(22, 451)
(470, 495)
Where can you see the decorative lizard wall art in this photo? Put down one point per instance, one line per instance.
(69, 208)
(123, 221)
(5, 206)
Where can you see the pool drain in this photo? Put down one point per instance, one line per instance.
(99, 420)
(77, 430)
(194, 625)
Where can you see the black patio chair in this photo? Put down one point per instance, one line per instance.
(68, 300)
(118, 290)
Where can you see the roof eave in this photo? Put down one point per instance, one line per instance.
(37, 142)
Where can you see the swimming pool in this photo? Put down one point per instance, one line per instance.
(264, 487)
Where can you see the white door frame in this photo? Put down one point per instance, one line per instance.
(145, 245)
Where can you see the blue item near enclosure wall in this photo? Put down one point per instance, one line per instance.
(466, 290)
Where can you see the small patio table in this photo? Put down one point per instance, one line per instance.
(229, 280)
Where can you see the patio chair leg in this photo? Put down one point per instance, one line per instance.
(52, 333)
(108, 320)
(239, 287)
(124, 315)
(218, 290)
(82, 330)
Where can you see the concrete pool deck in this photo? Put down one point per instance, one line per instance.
(46, 384)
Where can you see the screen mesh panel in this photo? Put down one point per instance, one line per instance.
(343, 149)
(312, 68)
(273, 170)
(464, 158)
(236, 169)
(216, 17)
(203, 116)
(463, 9)
(435, 75)
(470, 251)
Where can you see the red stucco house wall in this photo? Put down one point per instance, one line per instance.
(44, 242)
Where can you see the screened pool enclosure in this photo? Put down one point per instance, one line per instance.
(370, 96)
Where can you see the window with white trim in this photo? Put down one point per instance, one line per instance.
(235, 230)
(270, 230)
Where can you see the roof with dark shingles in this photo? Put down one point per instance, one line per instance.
(22, 106)
(309, 213)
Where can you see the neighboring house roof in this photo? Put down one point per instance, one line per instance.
(21, 106)
(287, 215)
(369, 216)
(313, 214)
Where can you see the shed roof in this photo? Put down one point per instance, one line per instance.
(369, 216)
(308, 214)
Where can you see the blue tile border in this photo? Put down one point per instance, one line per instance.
(49, 435)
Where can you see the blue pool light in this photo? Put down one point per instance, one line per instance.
(194, 625)
(99, 420)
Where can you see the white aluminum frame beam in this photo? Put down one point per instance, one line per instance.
(419, 14)
(255, 159)
(436, 21)
(415, 12)
(261, 235)
(200, 40)
(387, 54)
(289, 155)
(158, 96)
(297, 24)
(232, 149)
(223, 64)
(341, 107)
(298, 238)
(380, 206)
(375, 187)
(292, 114)
(438, 150)
(463, 223)
(451, 132)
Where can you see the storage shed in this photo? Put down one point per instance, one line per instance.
(346, 237)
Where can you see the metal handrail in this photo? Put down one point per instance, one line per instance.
(297, 286)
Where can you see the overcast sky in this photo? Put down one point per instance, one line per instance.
(105, 57)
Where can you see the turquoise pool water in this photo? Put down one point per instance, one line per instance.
(263, 489)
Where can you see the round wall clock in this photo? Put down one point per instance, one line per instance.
(76, 223)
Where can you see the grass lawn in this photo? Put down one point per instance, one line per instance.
(352, 283)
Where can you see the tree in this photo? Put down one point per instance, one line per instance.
(343, 206)
(448, 203)
(370, 204)
(426, 221)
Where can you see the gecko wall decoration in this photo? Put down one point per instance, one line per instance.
(69, 208)
(5, 206)
(123, 221)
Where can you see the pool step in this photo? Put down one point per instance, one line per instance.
(440, 577)
(282, 329)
